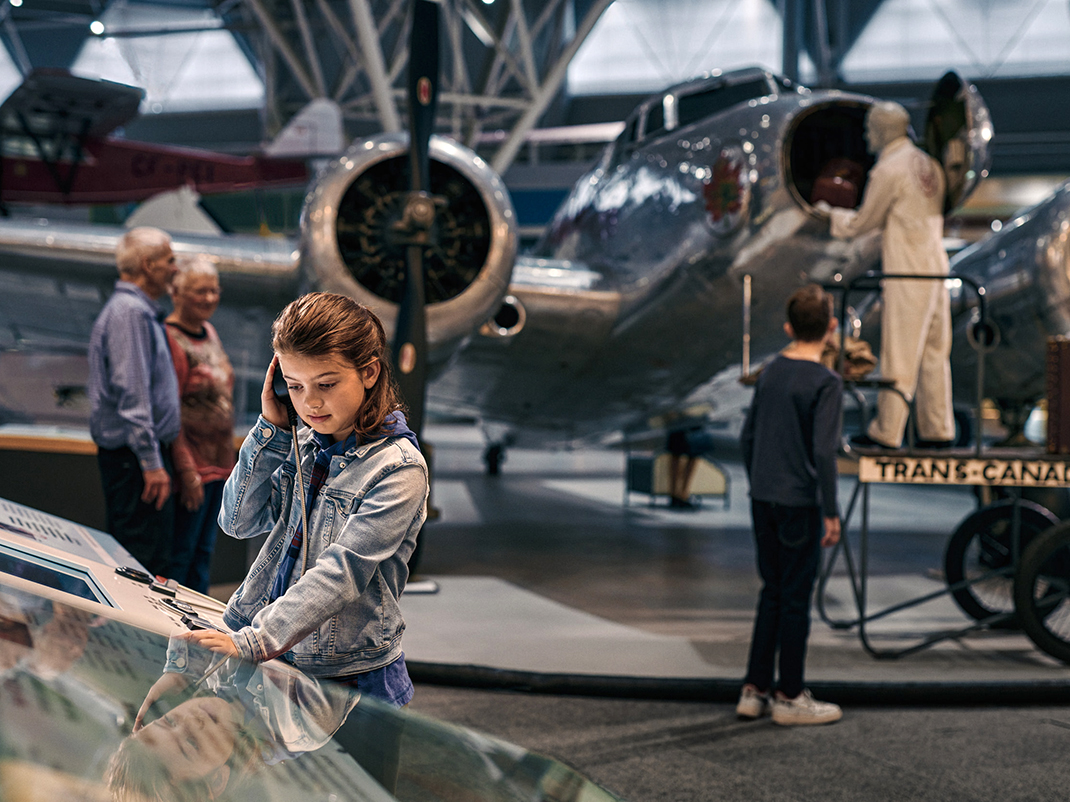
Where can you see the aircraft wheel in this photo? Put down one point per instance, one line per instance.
(1042, 592)
(494, 456)
(982, 545)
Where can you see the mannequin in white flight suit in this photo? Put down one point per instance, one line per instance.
(905, 197)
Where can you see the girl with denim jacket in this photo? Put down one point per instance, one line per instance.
(327, 602)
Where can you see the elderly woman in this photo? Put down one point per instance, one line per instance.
(204, 451)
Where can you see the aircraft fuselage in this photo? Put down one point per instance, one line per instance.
(650, 250)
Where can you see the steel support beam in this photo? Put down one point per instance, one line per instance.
(283, 47)
(502, 50)
(791, 14)
(374, 64)
(310, 48)
(549, 89)
(523, 38)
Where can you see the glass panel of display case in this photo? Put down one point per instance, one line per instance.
(87, 712)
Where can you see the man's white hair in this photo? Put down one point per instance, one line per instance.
(138, 244)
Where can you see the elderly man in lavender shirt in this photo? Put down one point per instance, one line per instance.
(133, 393)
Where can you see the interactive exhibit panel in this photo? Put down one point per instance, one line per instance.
(85, 636)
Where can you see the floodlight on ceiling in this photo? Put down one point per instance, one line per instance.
(16, 3)
(96, 27)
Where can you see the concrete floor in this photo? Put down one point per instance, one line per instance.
(544, 568)
(675, 751)
(548, 581)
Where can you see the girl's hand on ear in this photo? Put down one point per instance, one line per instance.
(273, 411)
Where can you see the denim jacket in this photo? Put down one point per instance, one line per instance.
(340, 616)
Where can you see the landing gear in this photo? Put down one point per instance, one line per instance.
(494, 456)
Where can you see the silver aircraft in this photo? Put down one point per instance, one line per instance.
(1025, 269)
(631, 300)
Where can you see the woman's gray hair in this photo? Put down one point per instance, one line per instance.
(193, 265)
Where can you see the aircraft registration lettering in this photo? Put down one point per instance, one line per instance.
(142, 165)
(196, 171)
(964, 471)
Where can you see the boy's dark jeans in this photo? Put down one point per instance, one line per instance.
(788, 541)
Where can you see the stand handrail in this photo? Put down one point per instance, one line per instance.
(981, 334)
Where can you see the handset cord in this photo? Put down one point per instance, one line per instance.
(291, 414)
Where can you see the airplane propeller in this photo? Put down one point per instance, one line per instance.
(418, 215)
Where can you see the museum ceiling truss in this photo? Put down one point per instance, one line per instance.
(503, 64)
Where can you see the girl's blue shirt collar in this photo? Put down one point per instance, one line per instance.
(395, 425)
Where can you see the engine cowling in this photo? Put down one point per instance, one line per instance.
(350, 243)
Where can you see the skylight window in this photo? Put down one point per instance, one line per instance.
(915, 39)
(647, 45)
(195, 66)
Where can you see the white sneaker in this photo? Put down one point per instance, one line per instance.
(752, 703)
(804, 709)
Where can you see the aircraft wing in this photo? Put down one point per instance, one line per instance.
(54, 279)
(53, 103)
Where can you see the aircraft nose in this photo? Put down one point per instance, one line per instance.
(1024, 269)
(1054, 271)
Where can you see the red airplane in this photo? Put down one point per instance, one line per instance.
(55, 148)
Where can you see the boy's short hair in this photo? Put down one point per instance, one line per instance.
(809, 311)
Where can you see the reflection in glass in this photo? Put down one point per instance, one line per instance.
(86, 714)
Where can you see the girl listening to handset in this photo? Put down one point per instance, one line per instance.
(326, 601)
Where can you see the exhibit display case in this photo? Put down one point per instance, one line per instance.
(88, 712)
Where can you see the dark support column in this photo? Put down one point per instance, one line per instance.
(826, 73)
(791, 12)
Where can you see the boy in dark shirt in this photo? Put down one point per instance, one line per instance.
(790, 440)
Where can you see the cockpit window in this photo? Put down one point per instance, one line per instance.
(700, 105)
(689, 108)
(655, 119)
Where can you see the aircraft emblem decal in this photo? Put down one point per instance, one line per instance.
(727, 190)
(925, 172)
(423, 91)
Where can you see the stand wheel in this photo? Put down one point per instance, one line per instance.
(1042, 592)
(982, 545)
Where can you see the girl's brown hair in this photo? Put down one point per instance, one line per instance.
(136, 774)
(327, 324)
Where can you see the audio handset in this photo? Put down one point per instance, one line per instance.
(282, 395)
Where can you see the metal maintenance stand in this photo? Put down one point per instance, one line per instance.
(1010, 469)
(1003, 468)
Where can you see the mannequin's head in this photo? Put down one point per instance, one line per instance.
(885, 121)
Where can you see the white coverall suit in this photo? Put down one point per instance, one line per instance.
(905, 196)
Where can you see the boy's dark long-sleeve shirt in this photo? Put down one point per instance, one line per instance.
(791, 435)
